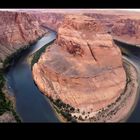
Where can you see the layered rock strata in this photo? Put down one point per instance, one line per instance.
(83, 68)
(50, 20)
(122, 26)
(17, 30)
(127, 30)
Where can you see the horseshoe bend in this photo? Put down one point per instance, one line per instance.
(82, 72)
(69, 66)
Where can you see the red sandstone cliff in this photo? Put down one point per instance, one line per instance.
(83, 68)
(123, 26)
(50, 20)
(17, 30)
(120, 24)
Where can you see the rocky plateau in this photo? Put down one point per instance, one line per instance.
(83, 68)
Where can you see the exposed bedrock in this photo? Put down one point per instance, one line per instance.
(83, 68)
(17, 30)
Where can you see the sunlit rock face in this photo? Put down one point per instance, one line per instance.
(51, 20)
(122, 26)
(83, 68)
(17, 30)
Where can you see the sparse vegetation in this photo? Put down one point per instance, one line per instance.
(80, 118)
(10, 59)
(83, 113)
(14, 56)
(64, 109)
(105, 113)
(5, 104)
(37, 55)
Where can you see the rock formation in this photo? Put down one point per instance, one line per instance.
(50, 20)
(17, 30)
(122, 26)
(127, 30)
(83, 68)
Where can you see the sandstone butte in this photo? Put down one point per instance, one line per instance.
(83, 68)
(17, 30)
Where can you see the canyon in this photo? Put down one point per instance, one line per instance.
(82, 72)
(79, 69)
(17, 31)
(127, 30)
(50, 20)
(122, 26)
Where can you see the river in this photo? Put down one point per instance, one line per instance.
(31, 104)
(133, 53)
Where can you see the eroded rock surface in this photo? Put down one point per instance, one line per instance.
(83, 68)
(17, 30)
(127, 30)
(7, 117)
(50, 20)
(122, 26)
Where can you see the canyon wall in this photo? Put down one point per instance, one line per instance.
(127, 30)
(17, 30)
(50, 20)
(83, 68)
(122, 26)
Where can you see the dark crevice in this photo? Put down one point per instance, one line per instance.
(91, 52)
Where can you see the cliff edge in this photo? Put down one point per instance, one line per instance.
(17, 30)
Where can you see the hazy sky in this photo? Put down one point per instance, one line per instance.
(71, 9)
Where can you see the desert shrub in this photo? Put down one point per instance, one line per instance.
(80, 118)
(72, 109)
(38, 54)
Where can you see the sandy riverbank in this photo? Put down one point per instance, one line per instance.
(59, 115)
(124, 105)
